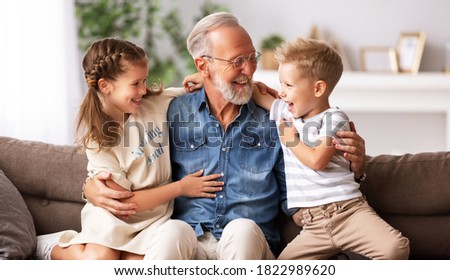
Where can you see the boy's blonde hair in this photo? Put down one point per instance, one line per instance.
(316, 60)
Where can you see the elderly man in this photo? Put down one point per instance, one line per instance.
(220, 129)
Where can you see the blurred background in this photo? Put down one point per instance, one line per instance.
(43, 42)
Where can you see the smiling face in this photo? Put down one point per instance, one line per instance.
(124, 95)
(303, 95)
(234, 84)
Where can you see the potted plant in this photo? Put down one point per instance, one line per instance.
(144, 22)
(268, 45)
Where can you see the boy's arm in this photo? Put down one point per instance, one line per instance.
(316, 157)
(263, 95)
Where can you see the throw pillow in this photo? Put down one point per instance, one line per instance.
(17, 232)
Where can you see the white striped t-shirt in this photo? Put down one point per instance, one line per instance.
(305, 186)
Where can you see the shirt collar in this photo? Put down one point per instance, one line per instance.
(200, 99)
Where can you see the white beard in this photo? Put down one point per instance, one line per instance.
(235, 97)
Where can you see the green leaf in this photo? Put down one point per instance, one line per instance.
(138, 20)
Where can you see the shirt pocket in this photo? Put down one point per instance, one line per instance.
(192, 153)
(257, 154)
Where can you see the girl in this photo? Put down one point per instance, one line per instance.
(123, 127)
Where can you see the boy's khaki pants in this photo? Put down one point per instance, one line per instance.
(350, 225)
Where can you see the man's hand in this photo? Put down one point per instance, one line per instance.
(97, 192)
(354, 149)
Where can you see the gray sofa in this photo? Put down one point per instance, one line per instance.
(411, 192)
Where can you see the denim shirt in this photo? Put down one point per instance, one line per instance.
(248, 155)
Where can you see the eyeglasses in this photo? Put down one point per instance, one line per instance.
(238, 62)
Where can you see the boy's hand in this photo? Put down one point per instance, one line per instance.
(288, 133)
(298, 218)
(263, 95)
(264, 89)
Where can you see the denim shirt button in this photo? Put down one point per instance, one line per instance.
(224, 149)
(217, 226)
(192, 146)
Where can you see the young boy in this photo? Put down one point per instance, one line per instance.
(320, 187)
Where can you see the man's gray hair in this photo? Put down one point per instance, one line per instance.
(197, 42)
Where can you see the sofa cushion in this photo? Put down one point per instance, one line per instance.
(49, 178)
(17, 232)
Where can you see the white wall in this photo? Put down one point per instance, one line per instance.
(355, 23)
(34, 104)
(39, 70)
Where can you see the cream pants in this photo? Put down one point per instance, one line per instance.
(350, 225)
(241, 239)
(173, 240)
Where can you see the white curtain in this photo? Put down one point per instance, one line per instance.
(40, 76)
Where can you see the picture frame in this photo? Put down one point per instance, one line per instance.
(410, 48)
(315, 33)
(378, 59)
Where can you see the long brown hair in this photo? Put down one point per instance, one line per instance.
(106, 58)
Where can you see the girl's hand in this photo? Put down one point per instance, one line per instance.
(193, 82)
(195, 185)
